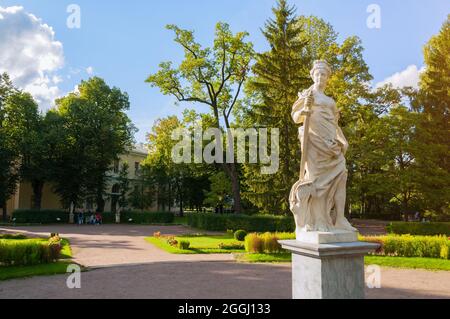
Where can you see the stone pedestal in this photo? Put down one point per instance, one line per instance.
(324, 270)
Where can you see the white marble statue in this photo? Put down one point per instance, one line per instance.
(317, 200)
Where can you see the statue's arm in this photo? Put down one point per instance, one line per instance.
(299, 108)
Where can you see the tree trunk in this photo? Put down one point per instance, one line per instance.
(100, 202)
(236, 188)
(38, 187)
(5, 211)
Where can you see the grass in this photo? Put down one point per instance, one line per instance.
(409, 262)
(31, 271)
(384, 261)
(199, 244)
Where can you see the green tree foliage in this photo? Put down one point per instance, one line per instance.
(96, 131)
(283, 71)
(433, 133)
(279, 74)
(9, 173)
(213, 76)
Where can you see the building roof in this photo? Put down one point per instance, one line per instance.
(140, 149)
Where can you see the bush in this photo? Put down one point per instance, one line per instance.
(257, 223)
(184, 244)
(147, 217)
(424, 229)
(412, 246)
(29, 252)
(172, 241)
(254, 244)
(270, 243)
(233, 246)
(43, 216)
(239, 235)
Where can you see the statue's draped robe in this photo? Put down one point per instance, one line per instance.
(325, 166)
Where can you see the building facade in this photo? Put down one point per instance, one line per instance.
(23, 198)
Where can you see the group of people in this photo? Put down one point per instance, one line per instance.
(88, 218)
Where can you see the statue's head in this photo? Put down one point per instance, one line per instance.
(320, 73)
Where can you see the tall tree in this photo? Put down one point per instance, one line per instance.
(279, 74)
(433, 133)
(212, 76)
(97, 131)
(9, 173)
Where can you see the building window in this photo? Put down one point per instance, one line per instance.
(136, 168)
(116, 166)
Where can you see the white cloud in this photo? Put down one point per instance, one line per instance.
(90, 70)
(408, 77)
(30, 54)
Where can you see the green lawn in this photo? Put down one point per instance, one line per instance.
(39, 270)
(35, 270)
(385, 261)
(199, 244)
(409, 262)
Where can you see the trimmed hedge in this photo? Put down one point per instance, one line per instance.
(147, 217)
(411, 246)
(28, 252)
(51, 217)
(424, 229)
(255, 223)
(43, 216)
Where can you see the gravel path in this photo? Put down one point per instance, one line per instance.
(112, 245)
(123, 265)
(210, 280)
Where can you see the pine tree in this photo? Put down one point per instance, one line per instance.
(433, 133)
(279, 74)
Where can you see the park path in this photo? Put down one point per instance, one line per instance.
(211, 280)
(122, 265)
(113, 245)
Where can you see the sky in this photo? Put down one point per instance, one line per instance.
(124, 41)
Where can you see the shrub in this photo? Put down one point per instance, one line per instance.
(43, 216)
(184, 244)
(424, 229)
(239, 235)
(148, 217)
(254, 244)
(172, 241)
(270, 243)
(233, 246)
(256, 223)
(29, 252)
(412, 246)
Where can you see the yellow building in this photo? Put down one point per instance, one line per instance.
(23, 199)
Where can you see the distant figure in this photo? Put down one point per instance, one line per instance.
(81, 218)
(92, 219)
(98, 218)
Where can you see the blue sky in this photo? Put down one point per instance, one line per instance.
(124, 41)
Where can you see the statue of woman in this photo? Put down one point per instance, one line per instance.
(325, 169)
